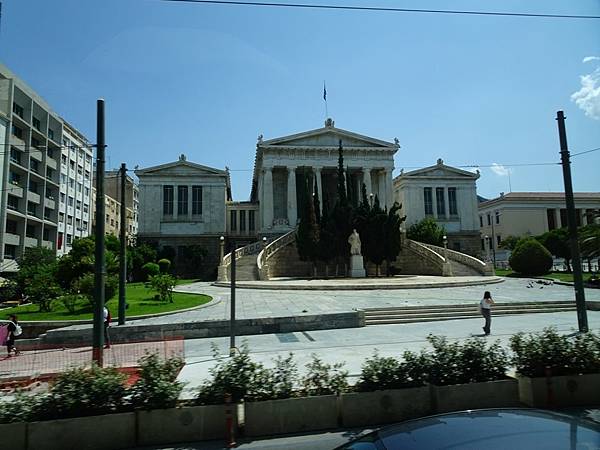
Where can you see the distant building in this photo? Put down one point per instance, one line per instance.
(112, 217)
(75, 203)
(31, 135)
(530, 214)
(113, 189)
(446, 194)
(182, 207)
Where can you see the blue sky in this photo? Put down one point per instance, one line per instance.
(207, 80)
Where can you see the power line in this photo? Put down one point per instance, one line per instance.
(587, 151)
(384, 9)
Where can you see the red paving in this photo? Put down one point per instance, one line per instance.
(44, 364)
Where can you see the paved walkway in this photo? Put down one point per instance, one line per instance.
(256, 303)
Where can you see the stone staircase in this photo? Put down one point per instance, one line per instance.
(245, 268)
(409, 314)
(462, 270)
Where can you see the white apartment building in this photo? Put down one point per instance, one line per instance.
(31, 136)
(75, 198)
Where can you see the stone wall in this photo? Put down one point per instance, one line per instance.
(469, 241)
(286, 263)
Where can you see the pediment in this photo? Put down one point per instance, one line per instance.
(441, 171)
(180, 168)
(327, 137)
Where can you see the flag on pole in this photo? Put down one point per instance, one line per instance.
(324, 92)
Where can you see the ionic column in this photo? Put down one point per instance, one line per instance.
(317, 171)
(267, 200)
(389, 187)
(381, 188)
(292, 207)
(447, 203)
(557, 222)
(367, 180)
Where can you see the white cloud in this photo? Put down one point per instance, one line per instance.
(591, 58)
(588, 96)
(500, 170)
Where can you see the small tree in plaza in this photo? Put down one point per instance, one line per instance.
(530, 258)
(426, 231)
(163, 284)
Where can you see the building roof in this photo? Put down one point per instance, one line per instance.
(538, 196)
(436, 171)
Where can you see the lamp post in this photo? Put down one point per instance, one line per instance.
(232, 303)
(371, 199)
(486, 240)
(496, 214)
(222, 248)
(264, 241)
(447, 264)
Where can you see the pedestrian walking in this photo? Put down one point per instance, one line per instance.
(13, 330)
(485, 306)
(107, 320)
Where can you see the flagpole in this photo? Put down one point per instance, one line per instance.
(325, 98)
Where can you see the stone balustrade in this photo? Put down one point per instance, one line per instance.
(269, 250)
(467, 260)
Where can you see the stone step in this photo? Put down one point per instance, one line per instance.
(472, 306)
(463, 313)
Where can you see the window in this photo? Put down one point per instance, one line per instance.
(242, 220)
(12, 202)
(168, 200)
(563, 218)
(34, 165)
(551, 219)
(62, 197)
(30, 231)
(61, 217)
(15, 178)
(63, 160)
(197, 200)
(49, 172)
(35, 143)
(79, 187)
(453, 208)
(11, 227)
(72, 164)
(87, 191)
(112, 222)
(85, 225)
(87, 175)
(33, 186)
(78, 205)
(49, 194)
(79, 170)
(440, 202)
(69, 239)
(71, 183)
(182, 200)
(498, 240)
(46, 234)
(60, 240)
(489, 220)
(69, 220)
(481, 221)
(31, 208)
(10, 251)
(233, 220)
(497, 214)
(85, 208)
(88, 159)
(428, 199)
(78, 224)
(47, 214)
(37, 124)
(63, 179)
(51, 134)
(18, 110)
(483, 244)
(15, 155)
(17, 132)
(49, 152)
(251, 222)
(71, 199)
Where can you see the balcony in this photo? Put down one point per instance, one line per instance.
(51, 163)
(15, 190)
(31, 242)
(12, 239)
(49, 203)
(33, 197)
(48, 244)
(35, 154)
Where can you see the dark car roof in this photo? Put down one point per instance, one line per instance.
(493, 429)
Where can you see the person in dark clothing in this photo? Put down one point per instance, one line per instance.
(485, 306)
(14, 329)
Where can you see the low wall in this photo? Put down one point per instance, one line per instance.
(202, 329)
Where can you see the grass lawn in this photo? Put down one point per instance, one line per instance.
(562, 276)
(140, 299)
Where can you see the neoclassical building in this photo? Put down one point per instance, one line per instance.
(283, 165)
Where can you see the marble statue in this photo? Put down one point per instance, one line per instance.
(354, 241)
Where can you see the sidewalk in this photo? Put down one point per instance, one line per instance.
(353, 345)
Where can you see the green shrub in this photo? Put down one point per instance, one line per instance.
(427, 231)
(530, 258)
(324, 379)
(454, 363)
(21, 408)
(151, 269)
(86, 286)
(84, 392)
(157, 386)
(164, 265)
(276, 383)
(70, 301)
(163, 284)
(379, 373)
(563, 355)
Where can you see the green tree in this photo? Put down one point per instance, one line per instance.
(42, 288)
(163, 284)
(327, 229)
(138, 256)
(392, 238)
(34, 261)
(557, 243)
(426, 231)
(590, 241)
(509, 242)
(192, 259)
(530, 258)
(307, 237)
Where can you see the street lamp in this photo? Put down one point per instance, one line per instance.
(371, 199)
(222, 245)
(486, 240)
(264, 241)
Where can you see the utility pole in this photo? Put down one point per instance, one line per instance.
(100, 262)
(232, 303)
(123, 249)
(572, 224)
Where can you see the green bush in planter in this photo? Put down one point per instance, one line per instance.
(562, 354)
(530, 258)
(276, 383)
(83, 392)
(448, 363)
(379, 373)
(157, 386)
(324, 379)
(22, 407)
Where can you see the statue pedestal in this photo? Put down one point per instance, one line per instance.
(357, 269)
